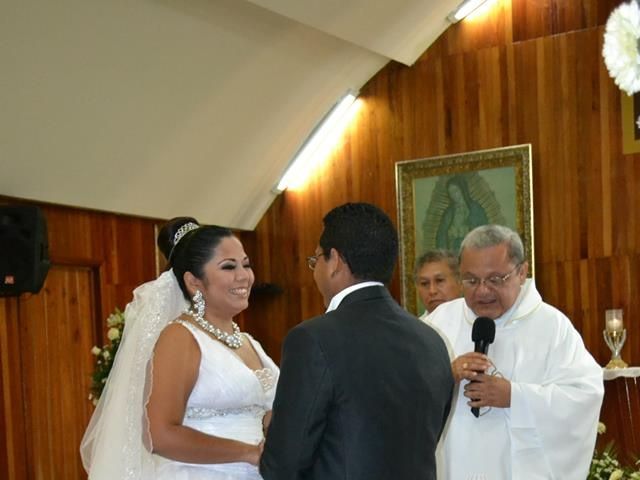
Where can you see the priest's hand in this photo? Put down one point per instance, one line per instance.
(488, 391)
(469, 366)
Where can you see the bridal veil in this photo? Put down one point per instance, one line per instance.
(117, 444)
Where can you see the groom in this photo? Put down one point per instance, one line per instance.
(365, 389)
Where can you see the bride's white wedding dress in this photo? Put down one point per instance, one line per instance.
(228, 400)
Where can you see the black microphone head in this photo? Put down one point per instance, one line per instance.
(484, 330)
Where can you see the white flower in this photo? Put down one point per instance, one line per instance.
(620, 49)
(601, 428)
(115, 319)
(113, 334)
(96, 351)
(106, 354)
(616, 475)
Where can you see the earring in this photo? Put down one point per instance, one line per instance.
(198, 304)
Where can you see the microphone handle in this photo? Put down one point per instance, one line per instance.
(475, 410)
(480, 347)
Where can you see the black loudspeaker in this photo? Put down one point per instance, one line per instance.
(24, 250)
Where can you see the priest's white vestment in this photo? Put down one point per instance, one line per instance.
(549, 431)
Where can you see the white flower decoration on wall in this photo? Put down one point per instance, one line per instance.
(620, 49)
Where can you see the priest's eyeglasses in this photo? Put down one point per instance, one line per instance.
(494, 281)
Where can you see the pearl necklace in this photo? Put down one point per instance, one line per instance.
(232, 340)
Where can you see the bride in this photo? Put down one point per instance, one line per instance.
(189, 395)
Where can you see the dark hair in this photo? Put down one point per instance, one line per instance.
(193, 250)
(365, 238)
(438, 255)
(168, 232)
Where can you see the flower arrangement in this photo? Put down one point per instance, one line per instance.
(620, 48)
(106, 354)
(606, 466)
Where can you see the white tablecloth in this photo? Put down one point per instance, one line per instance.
(613, 373)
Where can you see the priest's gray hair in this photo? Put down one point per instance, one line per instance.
(491, 235)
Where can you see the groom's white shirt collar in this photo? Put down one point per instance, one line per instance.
(337, 298)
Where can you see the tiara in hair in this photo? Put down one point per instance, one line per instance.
(183, 230)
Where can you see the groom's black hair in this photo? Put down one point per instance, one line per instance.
(365, 238)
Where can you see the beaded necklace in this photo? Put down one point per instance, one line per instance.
(232, 340)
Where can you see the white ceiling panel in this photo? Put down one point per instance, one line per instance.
(161, 108)
(397, 29)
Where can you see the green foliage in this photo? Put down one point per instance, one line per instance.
(106, 354)
(606, 466)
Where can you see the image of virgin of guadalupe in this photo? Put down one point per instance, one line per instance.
(458, 204)
(461, 216)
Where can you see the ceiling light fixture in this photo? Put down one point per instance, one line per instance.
(318, 142)
(464, 9)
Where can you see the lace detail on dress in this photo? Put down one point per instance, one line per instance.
(266, 377)
(203, 412)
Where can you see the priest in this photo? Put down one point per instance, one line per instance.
(536, 393)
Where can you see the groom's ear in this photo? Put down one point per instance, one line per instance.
(337, 264)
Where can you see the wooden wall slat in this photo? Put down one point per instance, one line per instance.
(621, 405)
(57, 332)
(12, 437)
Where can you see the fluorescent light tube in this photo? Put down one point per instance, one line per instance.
(317, 143)
(464, 9)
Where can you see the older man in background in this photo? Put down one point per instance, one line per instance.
(437, 279)
(538, 390)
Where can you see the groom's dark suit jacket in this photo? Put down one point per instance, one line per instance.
(363, 394)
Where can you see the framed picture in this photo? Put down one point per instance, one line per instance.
(630, 109)
(440, 199)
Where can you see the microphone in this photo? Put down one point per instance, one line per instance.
(483, 334)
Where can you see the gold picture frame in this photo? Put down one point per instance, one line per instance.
(492, 186)
(630, 110)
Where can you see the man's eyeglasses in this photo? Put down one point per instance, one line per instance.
(494, 281)
(312, 260)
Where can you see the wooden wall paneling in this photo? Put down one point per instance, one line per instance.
(620, 411)
(57, 335)
(610, 128)
(543, 18)
(624, 209)
(428, 107)
(13, 448)
(456, 104)
(589, 169)
(488, 27)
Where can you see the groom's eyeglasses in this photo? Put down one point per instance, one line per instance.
(312, 260)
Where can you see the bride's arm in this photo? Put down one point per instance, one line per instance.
(176, 363)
